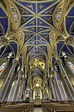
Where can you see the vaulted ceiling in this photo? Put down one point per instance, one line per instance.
(35, 30)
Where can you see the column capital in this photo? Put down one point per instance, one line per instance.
(59, 61)
(21, 72)
(15, 62)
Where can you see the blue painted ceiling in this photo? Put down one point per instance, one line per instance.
(36, 22)
(70, 21)
(3, 22)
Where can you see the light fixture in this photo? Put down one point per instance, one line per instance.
(35, 64)
(37, 85)
(51, 76)
(63, 53)
(10, 54)
(36, 60)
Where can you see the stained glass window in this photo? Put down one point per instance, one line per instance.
(2, 67)
(71, 66)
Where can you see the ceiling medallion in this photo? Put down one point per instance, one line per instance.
(36, 15)
(36, 34)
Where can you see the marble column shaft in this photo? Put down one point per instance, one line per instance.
(8, 81)
(68, 86)
(53, 90)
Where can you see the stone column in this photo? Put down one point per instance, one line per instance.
(21, 92)
(4, 73)
(34, 94)
(2, 60)
(13, 96)
(25, 72)
(62, 96)
(8, 81)
(22, 89)
(50, 92)
(69, 69)
(66, 81)
(53, 90)
(56, 90)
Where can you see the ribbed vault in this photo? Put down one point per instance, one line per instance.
(39, 35)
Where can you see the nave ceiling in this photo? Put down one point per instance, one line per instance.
(36, 31)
